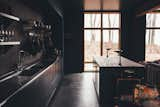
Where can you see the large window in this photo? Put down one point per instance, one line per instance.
(101, 31)
(152, 36)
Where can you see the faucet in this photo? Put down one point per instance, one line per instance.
(120, 53)
(20, 59)
(108, 51)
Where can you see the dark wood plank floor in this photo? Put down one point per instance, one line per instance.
(76, 90)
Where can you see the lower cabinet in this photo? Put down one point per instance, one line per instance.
(39, 90)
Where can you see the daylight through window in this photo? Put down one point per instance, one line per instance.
(101, 31)
(152, 37)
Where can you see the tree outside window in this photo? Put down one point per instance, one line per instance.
(101, 31)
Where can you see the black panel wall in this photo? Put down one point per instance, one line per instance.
(137, 40)
(126, 22)
(73, 37)
(133, 35)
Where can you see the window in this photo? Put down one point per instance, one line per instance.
(113, 5)
(92, 44)
(92, 20)
(110, 40)
(152, 36)
(101, 31)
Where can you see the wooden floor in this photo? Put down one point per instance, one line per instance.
(76, 90)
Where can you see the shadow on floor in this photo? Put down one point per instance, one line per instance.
(76, 90)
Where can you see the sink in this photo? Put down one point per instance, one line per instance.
(32, 70)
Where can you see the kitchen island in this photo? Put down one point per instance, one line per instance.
(110, 69)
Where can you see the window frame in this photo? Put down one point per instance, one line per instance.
(150, 28)
(101, 29)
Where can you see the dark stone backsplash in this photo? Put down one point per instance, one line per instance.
(34, 49)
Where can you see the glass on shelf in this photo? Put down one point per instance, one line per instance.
(12, 33)
(6, 32)
(3, 32)
(9, 33)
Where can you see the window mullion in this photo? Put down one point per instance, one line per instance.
(101, 33)
(101, 27)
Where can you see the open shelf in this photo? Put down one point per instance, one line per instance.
(10, 43)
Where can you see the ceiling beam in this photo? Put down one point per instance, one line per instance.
(147, 6)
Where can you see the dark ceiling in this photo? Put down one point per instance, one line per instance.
(132, 3)
(43, 5)
(124, 4)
